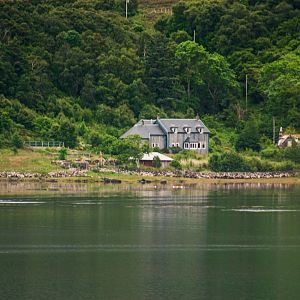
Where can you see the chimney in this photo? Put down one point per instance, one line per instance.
(197, 117)
(157, 117)
(143, 123)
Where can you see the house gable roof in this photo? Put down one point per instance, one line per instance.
(144, 128)
(180, 124)
(285, 138)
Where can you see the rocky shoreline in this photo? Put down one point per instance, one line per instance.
(204, 175)
(182, 174)
(57, 174)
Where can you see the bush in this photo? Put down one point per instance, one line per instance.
(16, 141)
(270, 153)
(176, 164)
(186, 154)
(228, 162)
(293, 154)
(255, 164)
(62, 154)
(175, 150)
(249, 138)
(156, 162)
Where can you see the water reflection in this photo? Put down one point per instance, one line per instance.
(142, 242)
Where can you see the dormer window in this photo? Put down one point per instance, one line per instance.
(174, 129)
(199, 129)
(187, 129)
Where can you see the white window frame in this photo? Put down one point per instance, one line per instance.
(187, 130)
(174, 129)
(186, 145)
(203, 145)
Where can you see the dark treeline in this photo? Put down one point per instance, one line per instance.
(79, 72)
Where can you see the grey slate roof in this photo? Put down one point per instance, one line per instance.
(181, 123)
(144, 130)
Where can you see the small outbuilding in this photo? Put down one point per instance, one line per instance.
(288, 140)
(148, 158)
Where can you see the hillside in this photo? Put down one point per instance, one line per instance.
(79, 72)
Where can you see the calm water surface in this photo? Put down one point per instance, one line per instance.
(201, 242)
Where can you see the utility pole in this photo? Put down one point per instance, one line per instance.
(274, 130)
(246, 94)
(126, 8)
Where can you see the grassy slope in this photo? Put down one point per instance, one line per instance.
(38, 161)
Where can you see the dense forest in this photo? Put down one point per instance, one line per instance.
(80, 72)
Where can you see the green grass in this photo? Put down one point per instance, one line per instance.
(26, 160)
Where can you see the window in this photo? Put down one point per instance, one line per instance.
(203, 146)
(174, 129)
(186, 146)
(200, 129)
(177, 144)
(187, 129)
(154, 145)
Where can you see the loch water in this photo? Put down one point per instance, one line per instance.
(233, 241)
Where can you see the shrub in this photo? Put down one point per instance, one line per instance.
(156, 162)
(175, 150)
(16, 141)
(176, 164)
(270, 152)
(62, 154)
(186, 154)
(228, 162)
(293, 154)
(249, 138)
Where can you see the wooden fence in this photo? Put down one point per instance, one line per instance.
(44, 144)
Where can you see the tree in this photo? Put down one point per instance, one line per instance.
(189, 56)
(211, 73)
(65, 132)
(280, 83)
(249, 138)
(128, 149)
(160, 73)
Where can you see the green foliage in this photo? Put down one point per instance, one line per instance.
(235, 162)
(16, 141)
(228, 162)
(176, 164)
(293, 154)
(249, 138)
(186, 154)
(65, 132)
(280, 83)
(62, 154)
(271, 153)
(128, 149)
(156, 162)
